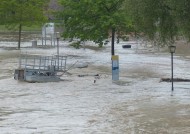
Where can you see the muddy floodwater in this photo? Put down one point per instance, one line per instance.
(138, 103)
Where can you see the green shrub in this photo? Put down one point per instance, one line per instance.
(76, 45)
(125, 37)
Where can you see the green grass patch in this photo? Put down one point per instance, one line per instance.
(24, 28)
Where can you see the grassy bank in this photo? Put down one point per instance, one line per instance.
(3, 28)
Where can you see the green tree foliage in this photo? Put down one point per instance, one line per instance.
(156, 18)
(93, 19)
(161, 19)
(18, 13)
(182, 10)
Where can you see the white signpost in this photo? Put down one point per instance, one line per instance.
(48, 30)
(115, 67)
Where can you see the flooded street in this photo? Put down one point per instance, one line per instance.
(136, 104)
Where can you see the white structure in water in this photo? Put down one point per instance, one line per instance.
(36, 68)
(48, 32)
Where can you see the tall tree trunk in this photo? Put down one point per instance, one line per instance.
(19, 38)
(112, 42)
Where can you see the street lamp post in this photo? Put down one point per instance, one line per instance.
(172, 50)
(57, 37)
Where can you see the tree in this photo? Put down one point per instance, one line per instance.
(161, 19)
(94, 19)
(18, 13)
(182, 10)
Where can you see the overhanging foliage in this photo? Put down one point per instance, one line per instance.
(93, 19)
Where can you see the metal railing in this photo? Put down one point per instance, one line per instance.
(43, 63)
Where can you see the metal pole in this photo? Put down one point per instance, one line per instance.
(172, 70)
(42, 35)
(54, 39)
(113, 40)
(58, 52)
(51, 40)
(45, 35)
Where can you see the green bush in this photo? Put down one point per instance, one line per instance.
(76, 45)
(125, 38)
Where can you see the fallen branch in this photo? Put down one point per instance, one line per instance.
(174, 80)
